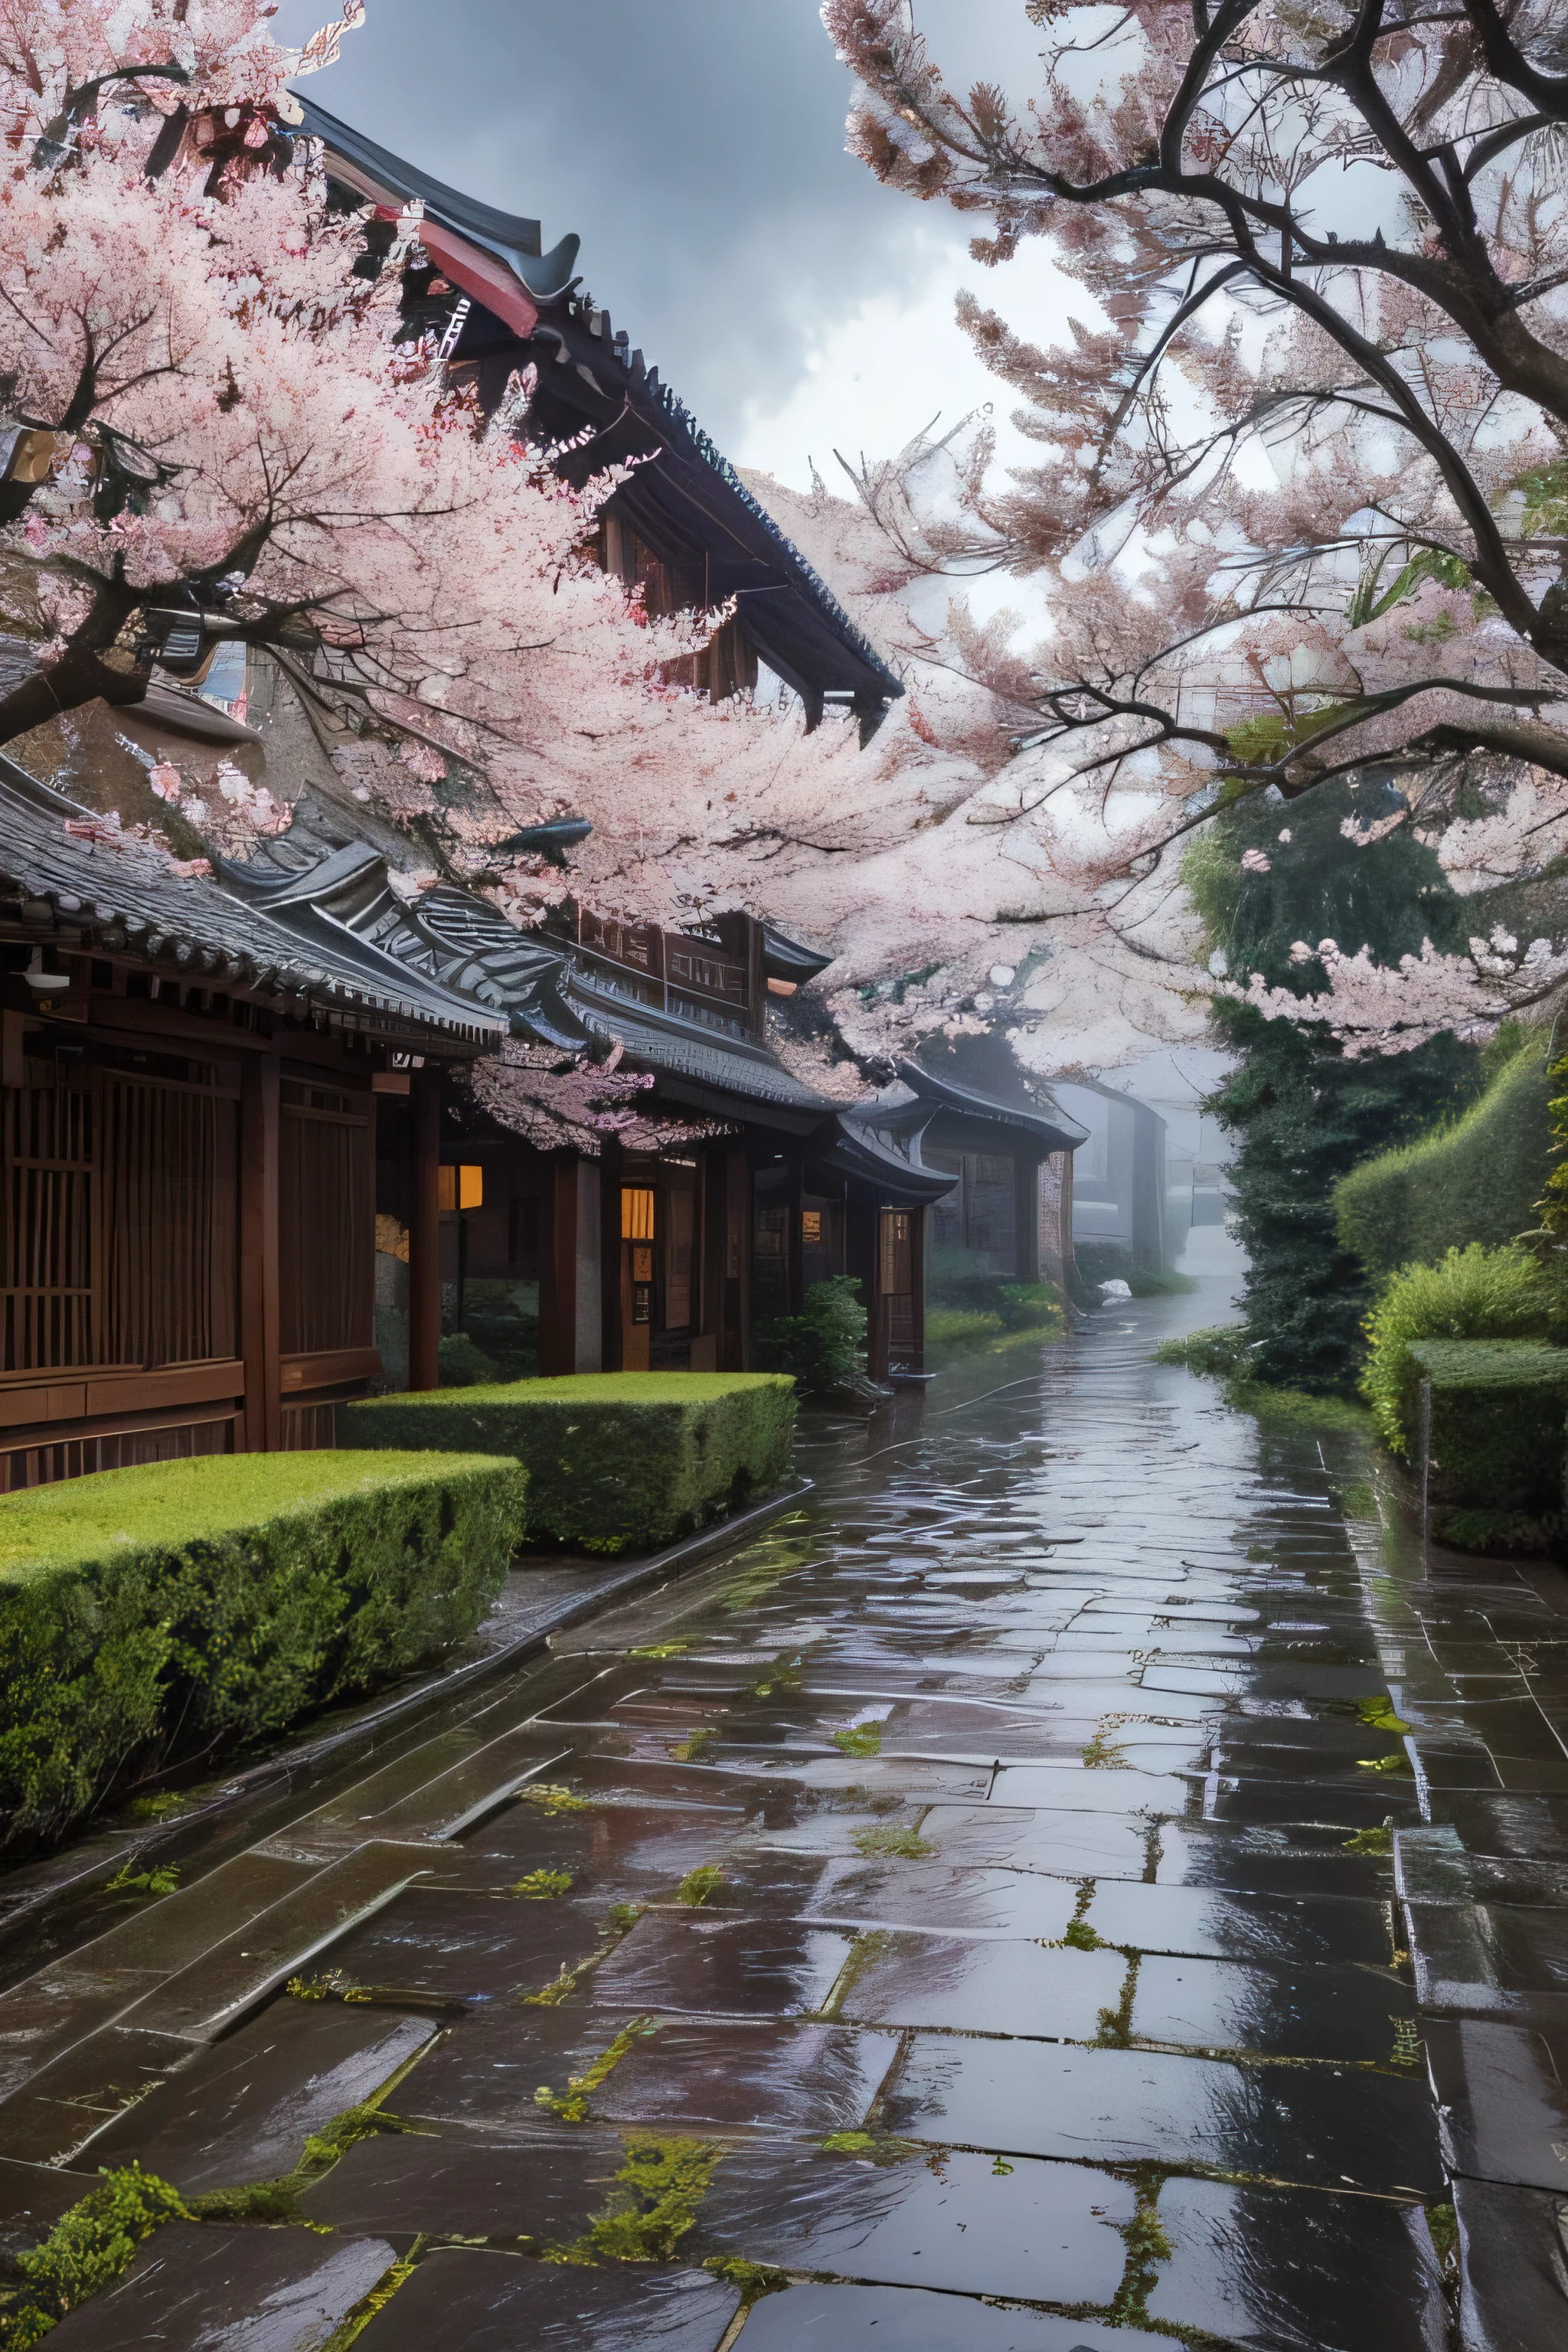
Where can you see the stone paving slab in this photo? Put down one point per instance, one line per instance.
(191, 2289)
(809, 2078)
(206, 1999)
(61, 2107)
(874, 2319)
(1201, 1922)
(243, 2110)
(444, 2180)
(1261, 2267)
(1000, 1985)
(462, 1947)
(469, 2300)
(1045, 2232)
(700, 1964)
(32, 2199)
(1514, 2244)
(1364, 2015)
(929, 1894)
(1304, 2123)
(103, 1978)
(1502, 2097)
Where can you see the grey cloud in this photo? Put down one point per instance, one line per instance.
(696, 146)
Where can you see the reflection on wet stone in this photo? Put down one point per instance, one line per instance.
(469, 2300)
(1044, 2231)
(964, 1873)
(190, 2289)
(243, 2110)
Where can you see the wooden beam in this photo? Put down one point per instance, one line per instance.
(425, 1234)
(260, 1125)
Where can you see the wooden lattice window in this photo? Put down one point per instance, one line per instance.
(48, 1170)
(170, 1231)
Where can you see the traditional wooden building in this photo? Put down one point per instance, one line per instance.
(682, 527)
(638, 1181)
(193, 1069)
(1006, 1148)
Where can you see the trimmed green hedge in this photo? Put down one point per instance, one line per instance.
(1472, 1294)
(614, 1459)
(1498, 1407)
(1478, 1180)
(184, 1608)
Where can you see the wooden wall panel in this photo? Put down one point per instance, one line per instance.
(326, 1232)
(170, 1224)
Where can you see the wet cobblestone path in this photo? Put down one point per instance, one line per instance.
(961, 1919)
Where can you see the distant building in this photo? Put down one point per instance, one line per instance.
(1119, 1185)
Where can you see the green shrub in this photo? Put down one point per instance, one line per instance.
(1477, 1180)
(186, 1607)
(1219, 1353)
(1498, 1409)
(1018, 1311)
(614, 1459)
(951, 1327)
(462, 1363)
(1469, 1293)
(1029, 1306)
(823, 1346)
(1499, 1531)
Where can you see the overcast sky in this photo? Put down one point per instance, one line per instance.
(697, 147)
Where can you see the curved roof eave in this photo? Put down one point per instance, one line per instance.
(1056, 1132)
(508, 237)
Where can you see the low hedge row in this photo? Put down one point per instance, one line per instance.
(1498, 1409)
(1473, 1294)
(614, 1459)
(184, 1607)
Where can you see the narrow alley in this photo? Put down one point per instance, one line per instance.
(961, 1919)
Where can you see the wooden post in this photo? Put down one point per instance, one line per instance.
(917, 1358)
(611, 1165)
(259, 1124)
(425, 1234)
(1025, 1218)
(558, 1301)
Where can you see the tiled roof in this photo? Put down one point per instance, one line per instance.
(317, 941)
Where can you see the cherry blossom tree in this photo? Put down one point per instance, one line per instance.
(1300, 504)
(229, 429)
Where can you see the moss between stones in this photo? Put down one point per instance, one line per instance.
(615, 1459)
(187, 1607)
(862, 1739)
(543, 1886)
(1147, 2247)
(894, 1843)
(699, 1885)
(571, 2105)
(551, 1797)
(88, 2250)
(654, 2203)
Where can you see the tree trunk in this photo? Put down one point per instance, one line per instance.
(78, 677)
